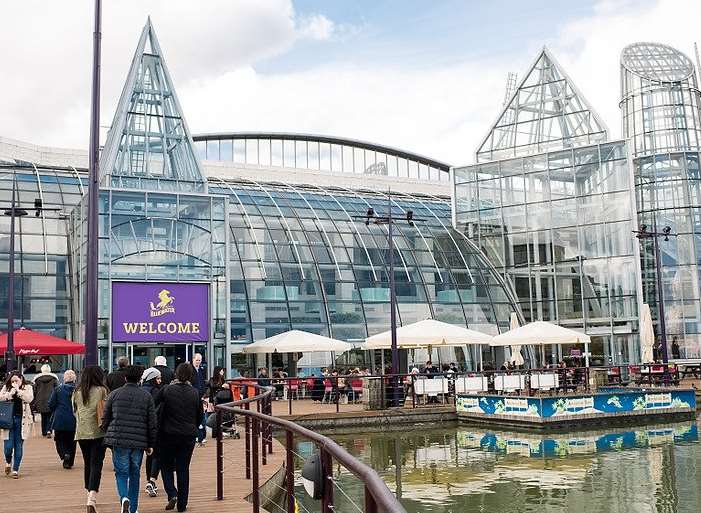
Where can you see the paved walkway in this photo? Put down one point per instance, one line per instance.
(44, 486)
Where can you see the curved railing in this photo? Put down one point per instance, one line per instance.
(259, 424)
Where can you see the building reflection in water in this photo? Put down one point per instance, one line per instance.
(627, 470)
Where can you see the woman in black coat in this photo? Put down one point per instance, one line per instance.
(181, 414)
(61, 407)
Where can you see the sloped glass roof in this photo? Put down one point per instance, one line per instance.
(546, 112)
(149, 137)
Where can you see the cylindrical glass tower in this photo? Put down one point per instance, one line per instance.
(660, 107)
(659, 99)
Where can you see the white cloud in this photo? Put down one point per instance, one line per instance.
(589, 49)
(213, 48)
(316, 26)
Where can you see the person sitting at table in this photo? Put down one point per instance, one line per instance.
(675, 349)
(430, 370)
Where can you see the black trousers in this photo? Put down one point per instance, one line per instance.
(174, 455)
(152, 466)
(65, 445)
(93, 457)
(45, 423)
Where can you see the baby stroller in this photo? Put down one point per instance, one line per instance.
(229, 429)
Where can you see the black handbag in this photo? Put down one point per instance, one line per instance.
(6, 410)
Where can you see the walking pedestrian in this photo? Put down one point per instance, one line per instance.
(129, 423)
(151, 382)
(20, 392)
(161, 364)
(63, 424)
(44, 385)
(117, 378)
(199, 381)
(88, 406)
(180, 420)
(214, 386)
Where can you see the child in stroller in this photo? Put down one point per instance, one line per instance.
(229, 429)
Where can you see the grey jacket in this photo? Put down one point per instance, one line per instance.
(129, 420)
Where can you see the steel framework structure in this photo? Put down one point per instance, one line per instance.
(546, 112)
(149, 138)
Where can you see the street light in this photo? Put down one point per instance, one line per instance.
(666, 232)
(372, 217)
(12, 212)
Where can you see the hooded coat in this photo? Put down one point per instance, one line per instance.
(44, 385)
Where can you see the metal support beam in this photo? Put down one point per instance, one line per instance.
(91, 299)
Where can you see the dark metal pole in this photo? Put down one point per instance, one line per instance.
(290, 472)
(91, 304)
(220, 457)
(10, 351)
(255, 438)
(660, 303)
(370, 504)
(247, 422)
(392, 307)
(327, 470)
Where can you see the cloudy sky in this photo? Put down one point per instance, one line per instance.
(425, 76)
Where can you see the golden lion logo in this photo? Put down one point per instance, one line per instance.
(164, 306)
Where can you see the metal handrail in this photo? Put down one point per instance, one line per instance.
(378, 496)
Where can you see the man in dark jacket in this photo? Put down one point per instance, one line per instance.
(129, 424)
(199, 381)
(116, 379)
(161, 364)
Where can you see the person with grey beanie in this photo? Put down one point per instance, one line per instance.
(151, 381)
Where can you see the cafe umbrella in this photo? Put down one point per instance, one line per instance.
(541, 333)
(29, 343)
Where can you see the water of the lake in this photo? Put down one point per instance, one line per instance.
(466, 469)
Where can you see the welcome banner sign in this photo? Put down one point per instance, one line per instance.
(160, 312)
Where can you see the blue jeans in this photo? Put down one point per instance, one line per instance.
(127, 470)
(14, 443)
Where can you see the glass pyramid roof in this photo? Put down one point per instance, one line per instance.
(546, 112)
(149, 141)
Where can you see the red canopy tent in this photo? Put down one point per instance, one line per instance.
(29, 343)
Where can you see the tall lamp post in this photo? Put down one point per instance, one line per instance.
(15, 211)
(666, 232)
(372, 217)
(91, 305)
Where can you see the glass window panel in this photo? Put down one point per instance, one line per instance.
(226, 150)
(240, 151)
(212, 150)
(252, 151)
(276, 148)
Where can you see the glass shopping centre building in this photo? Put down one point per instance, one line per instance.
(553, 202)
(212, 241)
(208, 243)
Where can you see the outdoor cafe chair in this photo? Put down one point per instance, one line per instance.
(471, 384)
(328, 391)
(508, 383)
(357, 388)
(293, 385)
(545, 382)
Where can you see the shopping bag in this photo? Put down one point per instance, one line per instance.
(6, 409)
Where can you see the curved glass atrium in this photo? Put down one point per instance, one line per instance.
(299, 257)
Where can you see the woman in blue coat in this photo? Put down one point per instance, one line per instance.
(64, 419)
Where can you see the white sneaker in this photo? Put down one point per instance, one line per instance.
(151, 489)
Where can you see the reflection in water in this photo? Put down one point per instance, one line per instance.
(455, 470)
